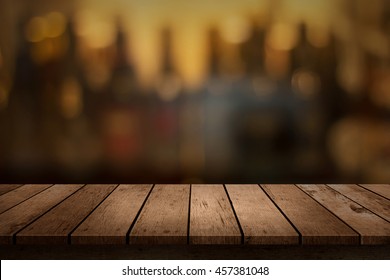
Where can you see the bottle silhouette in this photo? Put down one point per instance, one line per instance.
(252, 51)
(303, 54)
(24, 107)
(218, 103)
(163, 133)
(124, 115)
(123, 83)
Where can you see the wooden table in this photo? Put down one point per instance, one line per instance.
(195, 214)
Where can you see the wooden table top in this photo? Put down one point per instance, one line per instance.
(195, 214)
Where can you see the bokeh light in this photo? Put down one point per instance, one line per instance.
(208, 91)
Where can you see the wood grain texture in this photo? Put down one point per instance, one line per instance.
(212, 219)
(21, 215)
(18, 195)
(373, 202)
(164, 218)
(54, 226)
(6, 188)
(316, 224)
(383, 190)
(260, 220)
(373, 229)
(110, 222)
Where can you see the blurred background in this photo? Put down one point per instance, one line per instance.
(250, 91)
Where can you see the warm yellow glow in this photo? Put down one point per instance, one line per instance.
(191, 56)
(314, 11)
(36, 29)
(189, 19)
(98, 31)
(56, 24)
(147, 17)
(235, 30)
(71, 99)
(146, 52)
(282, 37)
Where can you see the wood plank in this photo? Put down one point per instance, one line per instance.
(19, 195)
(164, 218)
(21, 215)
(383, 189)
(316, 224)
(260, 220)
(7, 188)
(54, 226)
(373, 202)
(212, 219)
(373, 229)
(110, 222)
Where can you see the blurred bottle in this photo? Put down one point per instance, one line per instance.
(264, 132)
(307, 103)
(303, 55)
(253, 51)
(163, 132)
(123, 82)
(124, 118)
(218, 104)
(73, 127)
(332, 97)
(24, 108)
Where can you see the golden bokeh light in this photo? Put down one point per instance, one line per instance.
(71, 101)
(36, 29)
(305, 83)
(235, 30)
(198, 90)
(97, 30)
(282, 37)
(56, 24)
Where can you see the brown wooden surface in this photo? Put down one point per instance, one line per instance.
(19, 195)
(316, 224)
(197, 214)
(383, 190)
(21, 215)
(212, 219)
(164, 218)
(373, 229)
(6, 188)
(260, 220)
(109, 223)
(368, 199)
(54, 226)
